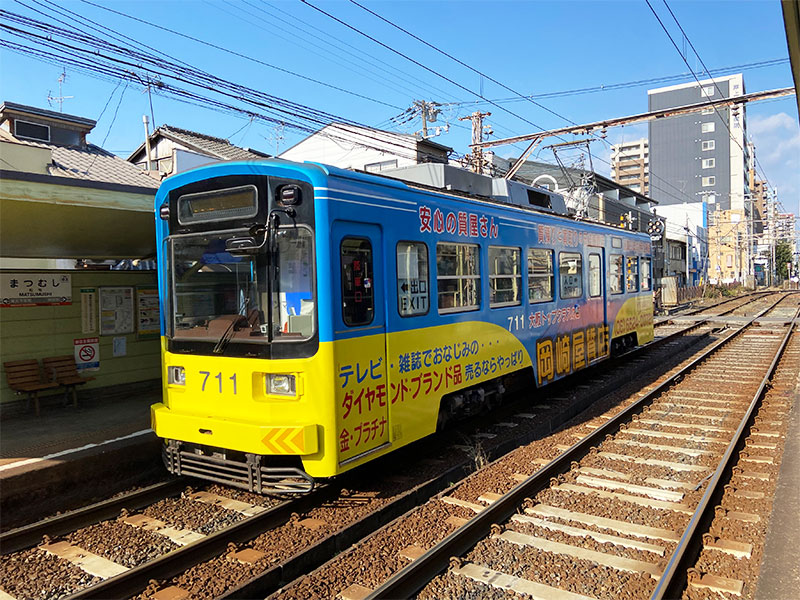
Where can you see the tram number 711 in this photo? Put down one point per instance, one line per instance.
(219, 378)
(516, 323)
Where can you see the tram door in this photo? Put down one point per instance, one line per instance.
(596, 298)
(362, 393)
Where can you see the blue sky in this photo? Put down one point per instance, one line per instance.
(532, 47)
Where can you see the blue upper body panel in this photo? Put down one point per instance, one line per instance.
(388, 211)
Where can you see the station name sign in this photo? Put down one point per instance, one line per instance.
(35, 289)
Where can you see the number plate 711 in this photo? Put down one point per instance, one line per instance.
(214, 383)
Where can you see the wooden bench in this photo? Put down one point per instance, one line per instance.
(62, 370)
(25, 377)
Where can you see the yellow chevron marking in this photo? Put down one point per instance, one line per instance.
(288, 440)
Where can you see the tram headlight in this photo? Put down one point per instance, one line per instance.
(283, 385)
(176, 375)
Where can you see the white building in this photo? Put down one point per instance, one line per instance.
(365, 149)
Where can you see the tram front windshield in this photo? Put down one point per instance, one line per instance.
(216, 295)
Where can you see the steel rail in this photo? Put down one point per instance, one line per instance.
(135, 580)
(30, 535)
(672, 580)
(710, 318)
(409, 580)
(694, 311)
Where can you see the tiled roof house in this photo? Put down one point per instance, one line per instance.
(62, 197)
(173, 150)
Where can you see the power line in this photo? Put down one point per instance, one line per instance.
(714, 83)
(93, 61)
(416, 62)
(462, 63)
(240, 55)
(635, 83)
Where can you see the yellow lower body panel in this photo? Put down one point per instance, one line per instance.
(235, 435)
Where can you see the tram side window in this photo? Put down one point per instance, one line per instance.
(412, 278)
(570, 272)
(632, 274)
(458, 277)
(358, 300)
(505, 276)
(615, 266)
(595, 276)
(644, 274)
(540, 275)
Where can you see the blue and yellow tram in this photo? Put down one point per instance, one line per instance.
(315, 318)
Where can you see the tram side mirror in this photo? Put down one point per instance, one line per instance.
(239, 246)
(289, 195)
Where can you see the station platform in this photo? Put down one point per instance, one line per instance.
(72, 455)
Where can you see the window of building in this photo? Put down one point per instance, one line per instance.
(358, 302)
(729, 260)
(707, 127)
(644, 274)
(570, 271)
(707, 111)
(710, 198)
(632, 274)
(540, 275)
(677, 252)
(505, 276)
(709, 163)
(708, 145)
(458, 277)
(377, 167)
(31, 131)
(595, 275)
(709, 181)
(412, 279)
(615, 274)
(707, 91)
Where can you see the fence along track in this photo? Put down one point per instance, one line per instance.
(692, 451)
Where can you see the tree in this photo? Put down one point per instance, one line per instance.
(783, 255)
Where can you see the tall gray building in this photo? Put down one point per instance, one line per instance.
(700, 157)
(698, 162)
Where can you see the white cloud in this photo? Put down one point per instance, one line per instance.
(777, 141)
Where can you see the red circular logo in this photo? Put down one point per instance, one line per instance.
(86, 353)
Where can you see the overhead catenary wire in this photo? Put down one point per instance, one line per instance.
(193, 98)
(713, 81)
(240, 55)
(476, 71)
(715, 86)
(287, 112)
(325, 36)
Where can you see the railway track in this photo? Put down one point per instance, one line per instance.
(621, 513)
(287, 539)
(685, 322)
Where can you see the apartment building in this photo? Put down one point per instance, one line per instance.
(630, 165)
(700, 160)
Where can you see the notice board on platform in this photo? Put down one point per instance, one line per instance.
(117, 311)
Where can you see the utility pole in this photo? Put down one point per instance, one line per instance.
(429, 111)
(477, 160)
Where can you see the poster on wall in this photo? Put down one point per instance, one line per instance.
(88, 310)
(116, 310)
(35, 289)
(87, 353)
(148, 325)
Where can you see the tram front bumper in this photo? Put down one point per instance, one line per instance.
(292, 440)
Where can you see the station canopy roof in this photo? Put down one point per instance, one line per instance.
(61, 197)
